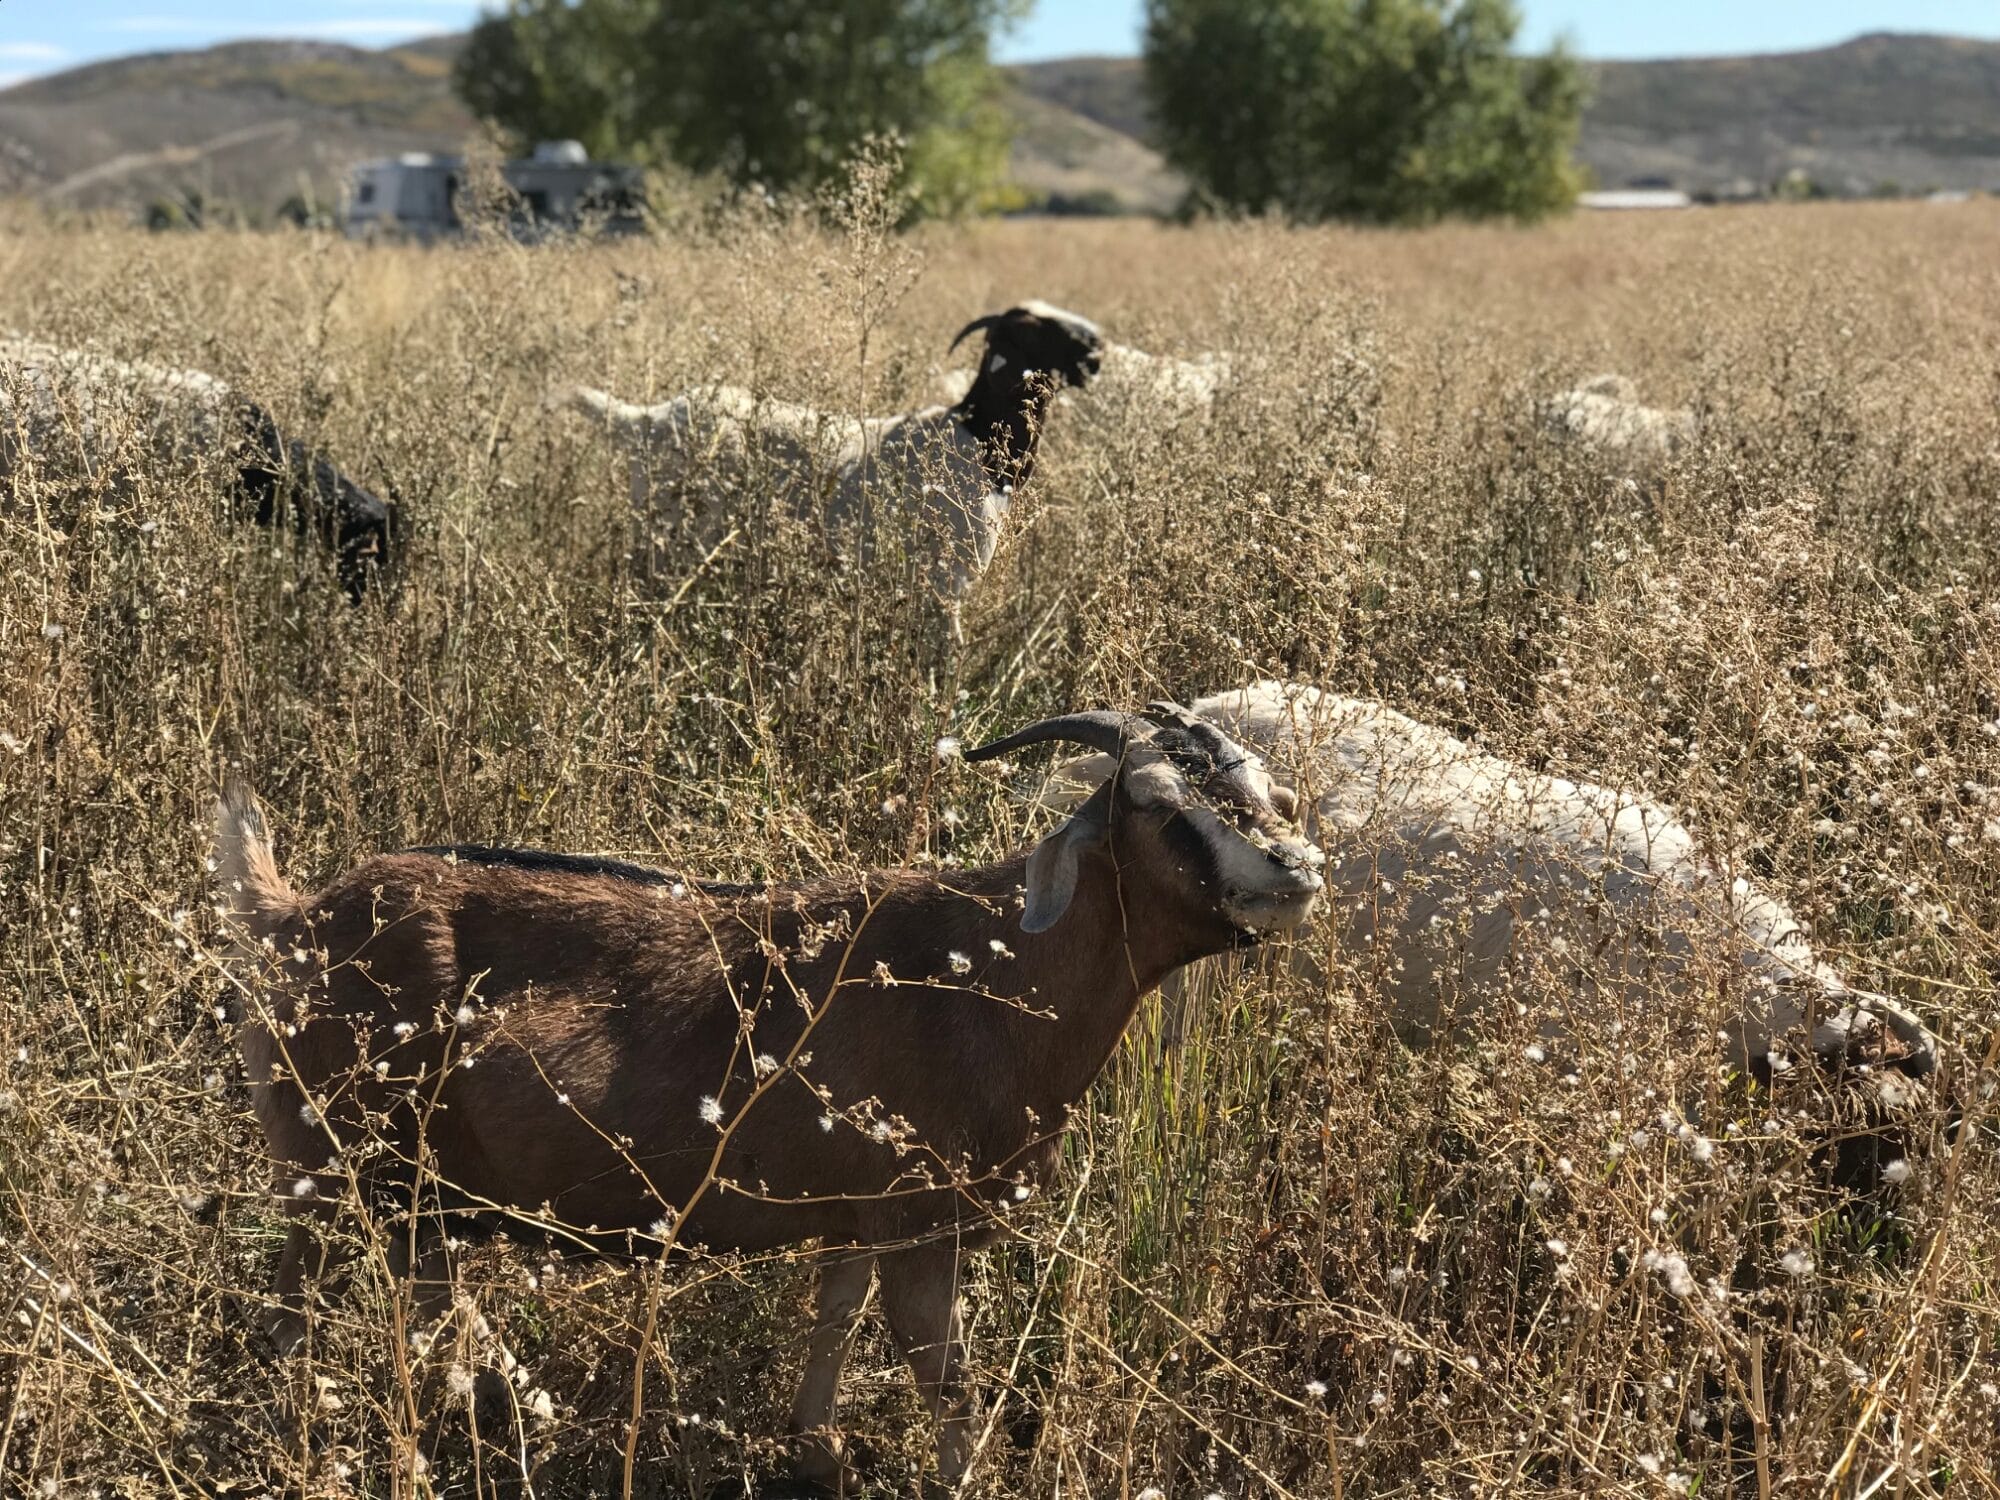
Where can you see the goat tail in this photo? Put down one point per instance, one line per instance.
(625, 421)
(255, 897)
(603, 408)
(584, 400)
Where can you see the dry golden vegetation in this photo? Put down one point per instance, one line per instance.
(1291, 1258)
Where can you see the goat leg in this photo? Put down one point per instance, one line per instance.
(843, 1298)
(920, 1300)
(309, 1251)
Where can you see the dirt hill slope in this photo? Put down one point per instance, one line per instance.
(255, 122)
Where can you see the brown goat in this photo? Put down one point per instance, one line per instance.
(884, 1064)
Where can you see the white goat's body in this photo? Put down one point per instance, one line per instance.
(690, 457)
(1454, 875)
(43, 388)
(1606, 415)
(1439, 853)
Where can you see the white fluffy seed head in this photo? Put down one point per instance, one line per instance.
(1673, 1269)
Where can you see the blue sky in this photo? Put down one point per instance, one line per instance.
(39, 36)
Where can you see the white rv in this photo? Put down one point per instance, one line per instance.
(415, 195)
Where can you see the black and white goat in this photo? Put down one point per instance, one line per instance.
(1167, 389)
(47, 392)
(957, 467)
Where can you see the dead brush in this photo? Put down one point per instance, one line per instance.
(1295, 1260)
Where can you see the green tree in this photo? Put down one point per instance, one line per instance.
(778, 92)
(1388, 111)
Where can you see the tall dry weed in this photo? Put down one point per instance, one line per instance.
(1291, 1258)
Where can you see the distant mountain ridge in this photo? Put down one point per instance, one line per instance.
(1907, 109)
(1911, 110)
(257, 122)
(251, 122)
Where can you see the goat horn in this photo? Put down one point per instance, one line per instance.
(1169, 714)
(1099, 729)
(974, 326)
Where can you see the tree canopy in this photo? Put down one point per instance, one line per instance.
(1378, 110)
(776, 92)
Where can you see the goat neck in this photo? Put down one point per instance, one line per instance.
(1005, 412)
(1077, 992)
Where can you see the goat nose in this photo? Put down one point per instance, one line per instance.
(1298, 855)
(1300, 865)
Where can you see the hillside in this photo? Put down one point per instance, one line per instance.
(1063, 153)
(249, 121)
(1108, 90)
(1917, 111)
(254, 121)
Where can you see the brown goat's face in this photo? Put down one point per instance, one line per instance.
(1194, 818)
(1228, 837)
(1188, 817)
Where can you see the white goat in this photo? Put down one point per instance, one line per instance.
(959, 465)
(1449, 868)
(1605, 415)
(46, 388)
(47, 391)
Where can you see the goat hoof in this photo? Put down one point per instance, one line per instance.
(821, 1468)
(281, 1332)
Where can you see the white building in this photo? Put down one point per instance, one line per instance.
(1628, 198)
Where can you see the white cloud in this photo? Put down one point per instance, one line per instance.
(8, 80)
(20, 52)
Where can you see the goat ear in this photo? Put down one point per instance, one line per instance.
(1286, 801)
(1052, 867)
(1052, 877)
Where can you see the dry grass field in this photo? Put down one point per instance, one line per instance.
(1292, 1258)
